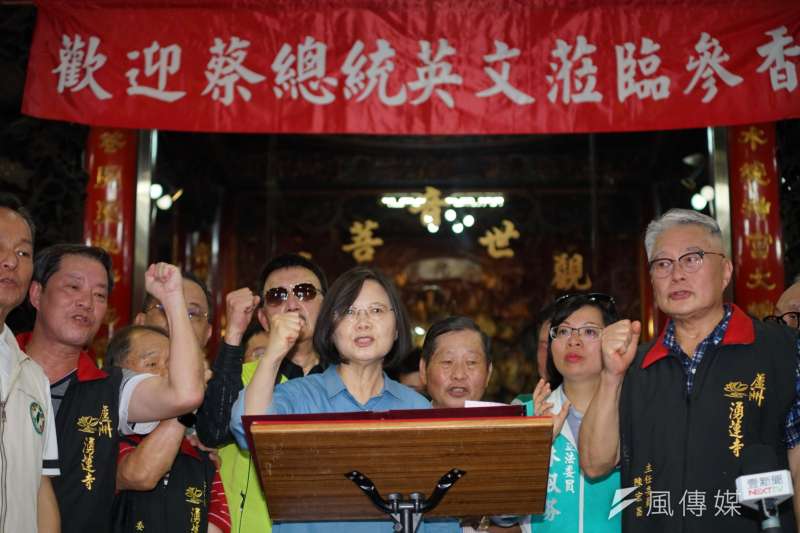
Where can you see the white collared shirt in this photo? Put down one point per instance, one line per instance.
(28, 447)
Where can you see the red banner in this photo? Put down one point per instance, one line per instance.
(415, 66)
(108, 219)
(755, 218)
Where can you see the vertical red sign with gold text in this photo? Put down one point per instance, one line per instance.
(108, 220)
(755, 218)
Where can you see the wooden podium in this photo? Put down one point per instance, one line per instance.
(303, 461)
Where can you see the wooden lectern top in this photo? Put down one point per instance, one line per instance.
(302, 461)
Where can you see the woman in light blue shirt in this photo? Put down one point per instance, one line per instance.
(362, 327)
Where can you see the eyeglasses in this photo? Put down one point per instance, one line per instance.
(602, 299)
(690, 263)
(791, 319)
(195, 313)
(373, 312)
(586, 333)
(305, 292)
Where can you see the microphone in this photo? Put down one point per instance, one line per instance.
(762, 486)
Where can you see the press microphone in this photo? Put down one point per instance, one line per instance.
(762, 486)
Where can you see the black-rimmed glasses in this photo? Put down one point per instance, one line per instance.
(791, 319)
(586, 333)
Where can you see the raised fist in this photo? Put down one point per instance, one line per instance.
(619, 342)
(284, 330)
(163, 280)
(239, 308)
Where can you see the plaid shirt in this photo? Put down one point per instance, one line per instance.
(690, 364)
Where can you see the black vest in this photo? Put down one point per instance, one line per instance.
(87, 427)
(676, 446)
(179, 502)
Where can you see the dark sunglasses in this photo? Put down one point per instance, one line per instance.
(305, 292)
(599, 298)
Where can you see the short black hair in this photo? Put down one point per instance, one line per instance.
(253, 329)
(288, 261)
(562, 309)
(449, 324)
(407, 365)
(12, 203)
(544, 315)
(48, 261)
(191, 276)
(342, 294)
(119, 347)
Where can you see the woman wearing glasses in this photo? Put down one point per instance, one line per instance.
(362, 327)
(574, 361)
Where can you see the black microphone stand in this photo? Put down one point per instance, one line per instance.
(406, 513)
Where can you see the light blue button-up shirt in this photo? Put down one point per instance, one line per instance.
(327, 393)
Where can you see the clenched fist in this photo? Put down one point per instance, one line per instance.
(284, 330)
(163, 281)
(239, 308)
(619, 342)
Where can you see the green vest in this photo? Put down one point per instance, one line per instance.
(239, 475)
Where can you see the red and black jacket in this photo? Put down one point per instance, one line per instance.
(179, 502)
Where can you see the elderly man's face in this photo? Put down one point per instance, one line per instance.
(197, 306)
(149, 353)
(789, 302)
(685, 295)
(457, 371)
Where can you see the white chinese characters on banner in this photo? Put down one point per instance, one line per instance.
(435, 72)
(162, 61)
(577, 84)
(304, 74)
(782, 73)
(648, 62)
(301, 72)
(361, 83)
(75, 60)
(708, 65)
(226, 68)
(501, 79)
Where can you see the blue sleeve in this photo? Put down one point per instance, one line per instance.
(792, 425)
(236, 421)
(282, 403)
(440, 525)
